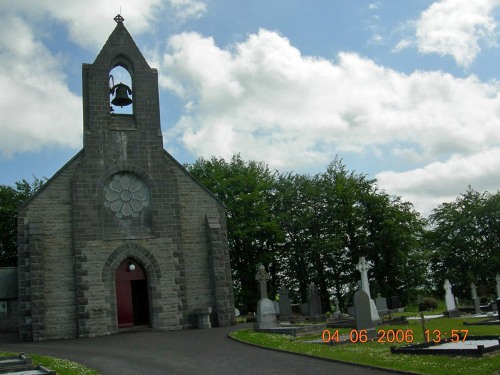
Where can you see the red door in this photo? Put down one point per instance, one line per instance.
(131, 295)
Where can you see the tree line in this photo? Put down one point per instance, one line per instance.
(313, 229)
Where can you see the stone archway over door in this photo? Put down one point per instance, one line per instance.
(132, 300)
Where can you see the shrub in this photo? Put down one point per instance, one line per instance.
(427, 303)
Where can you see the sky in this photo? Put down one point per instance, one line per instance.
(405, 92)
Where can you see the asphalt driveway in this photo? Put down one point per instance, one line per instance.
(207, 351)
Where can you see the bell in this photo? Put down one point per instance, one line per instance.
(121, 92)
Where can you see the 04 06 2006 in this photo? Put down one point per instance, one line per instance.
(383, 336)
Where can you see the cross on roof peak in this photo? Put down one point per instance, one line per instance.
(119, 18)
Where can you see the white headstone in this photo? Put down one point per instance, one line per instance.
(450, 300)
(262, 277)
(266, 314)
(363, 266)
(473, 291)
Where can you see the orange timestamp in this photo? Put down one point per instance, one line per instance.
(391, 336)
(437, 335)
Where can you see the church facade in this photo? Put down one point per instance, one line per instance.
(122, 235)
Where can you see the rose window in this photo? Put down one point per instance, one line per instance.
(126, 195)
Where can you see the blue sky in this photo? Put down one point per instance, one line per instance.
(406, 92)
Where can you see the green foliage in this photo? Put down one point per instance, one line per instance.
(465, 241)
(10, 199)
(246, 189)
(427, 303)
(63, 366)
(314, 229)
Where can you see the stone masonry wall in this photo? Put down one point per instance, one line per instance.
(203, 288)
(45, 261)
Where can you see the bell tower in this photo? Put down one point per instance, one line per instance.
(101, 122)
(125, 189)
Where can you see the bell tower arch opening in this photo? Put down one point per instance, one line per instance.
(120, 91)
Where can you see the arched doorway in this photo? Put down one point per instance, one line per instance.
(132, 300)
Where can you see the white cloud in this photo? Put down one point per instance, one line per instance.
(90, 22)
(440, 182)
(36, 106)
(456, 28)
(264, 99)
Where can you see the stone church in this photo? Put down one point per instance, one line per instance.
(122, 235)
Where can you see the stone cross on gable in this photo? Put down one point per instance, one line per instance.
(262, 276)
(363, 266)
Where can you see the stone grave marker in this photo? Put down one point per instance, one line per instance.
(276, 307)
(363, 266)
(497, 278)
(475, 299)
(381, 304)
(313, 301)
(362, 313)
(451, 309)
(266, 315)
(395, 303)
(285, 304)
(337, 312)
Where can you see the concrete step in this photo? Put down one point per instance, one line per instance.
(21, 365)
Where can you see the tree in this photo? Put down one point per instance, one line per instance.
(314, 229)
(253, 234)
(465, 240)
(10, 199)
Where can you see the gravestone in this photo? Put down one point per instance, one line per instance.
(313, 301)
(276, 307)
(498, 308)
(362, 313)
(285, 304)
(381, 304)
(337, 312)
(451, 309)
(350, 310)
(304, 309)
(475, 299)
(497, 278)
(395, 303)
(266, 315)
(363, 266)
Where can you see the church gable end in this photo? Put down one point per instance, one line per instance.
(138, 237)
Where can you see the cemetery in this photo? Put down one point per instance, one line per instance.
(384, 333)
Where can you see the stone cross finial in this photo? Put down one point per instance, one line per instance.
(447, 285)
(363, 266)
(283, 291)
(119, 19)
(262, 276)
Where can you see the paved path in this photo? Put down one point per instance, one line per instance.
(207, 351)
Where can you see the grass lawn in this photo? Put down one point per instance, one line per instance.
(61, 366)
(379, 354)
